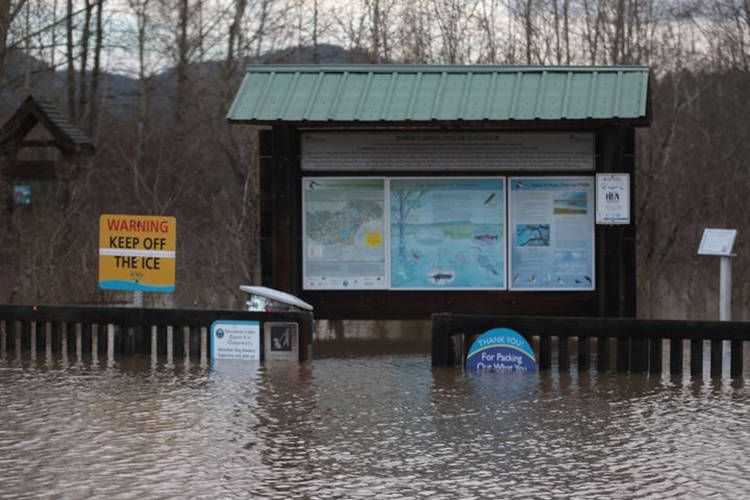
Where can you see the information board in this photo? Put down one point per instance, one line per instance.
(344, 240)
(448, 151)
(551, 233)
(137, 252)
(235, 340)
(447, 233)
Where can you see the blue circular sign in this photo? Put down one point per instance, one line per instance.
(501, 350)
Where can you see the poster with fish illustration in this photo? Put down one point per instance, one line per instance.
(447, 233)
(551, 233)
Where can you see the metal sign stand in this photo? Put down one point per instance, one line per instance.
(719, 242)
(725, 288)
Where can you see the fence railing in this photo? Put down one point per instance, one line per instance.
(639, 342)
(106, 332)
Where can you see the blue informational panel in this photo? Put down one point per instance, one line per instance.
(447, 233)
(238, 340)
(501, 350)
(551, 233)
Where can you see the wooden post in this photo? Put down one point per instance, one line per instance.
(735, 367)
(170, 345)
(623, 354)
(639, 355)
(696, 357)
(584, 358)
(716, 358)
(563, 353)
(3, 340)
(94, 344)
(675, 356)
(655, 355)
(545, 352)
(154, 344)
(79, 343)
(48, 341)
(64, 343)
(440, 340)
(32, 340)
(204, 353)
(110, 345)
(602, 354)
(186, 345)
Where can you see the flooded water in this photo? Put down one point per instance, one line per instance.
(361, 427)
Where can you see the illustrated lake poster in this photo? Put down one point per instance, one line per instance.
(447, 233)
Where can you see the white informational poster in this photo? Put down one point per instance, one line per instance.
(551, 233)
(447, 151)
(344, 240)
(447, 233)
(613, 198)
(717, 242)
(235, 340)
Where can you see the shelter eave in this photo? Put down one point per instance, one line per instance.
(586, 123)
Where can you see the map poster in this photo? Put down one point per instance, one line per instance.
(343, 233)
(447, 233)
(551, 231)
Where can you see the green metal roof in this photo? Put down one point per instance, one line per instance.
(421, 94)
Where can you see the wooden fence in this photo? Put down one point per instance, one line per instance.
(639, 342)
(110, 331)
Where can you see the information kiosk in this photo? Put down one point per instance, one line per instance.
(393, 192)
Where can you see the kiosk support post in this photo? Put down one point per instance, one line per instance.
(725, 288)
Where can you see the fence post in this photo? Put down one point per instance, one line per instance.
(204, 355)
(675, 356)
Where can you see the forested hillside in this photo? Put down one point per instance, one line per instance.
(150, 81)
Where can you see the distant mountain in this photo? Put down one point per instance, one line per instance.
(26, 74)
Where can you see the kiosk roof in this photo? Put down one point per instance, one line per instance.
(427, 95)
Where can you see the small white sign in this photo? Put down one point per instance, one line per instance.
(717, 242)
(235, 340)
(613, 198)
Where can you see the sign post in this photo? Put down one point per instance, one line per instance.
(719, 242)
(137, 253)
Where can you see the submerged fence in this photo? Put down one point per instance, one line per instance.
(639, 343)
(105, 332)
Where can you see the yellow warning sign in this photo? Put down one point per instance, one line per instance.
(137, 252)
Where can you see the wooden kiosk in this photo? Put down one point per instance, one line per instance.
(397, 191)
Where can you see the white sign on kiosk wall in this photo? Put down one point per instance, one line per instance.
(613, 198)
(238, 340)
(717, 242)
(447, 151)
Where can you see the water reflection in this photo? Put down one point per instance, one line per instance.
(378, 426)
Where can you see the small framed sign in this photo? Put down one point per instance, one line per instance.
(281, 341)
(613, 198)
(717, 242)
(235, 340)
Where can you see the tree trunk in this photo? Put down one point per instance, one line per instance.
(93, 100)
(71, 76)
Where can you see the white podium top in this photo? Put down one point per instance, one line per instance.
(278, 296)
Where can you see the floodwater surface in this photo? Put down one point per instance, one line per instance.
(366, 427)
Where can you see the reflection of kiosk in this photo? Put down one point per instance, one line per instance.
(397, 191)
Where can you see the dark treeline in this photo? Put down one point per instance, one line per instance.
(150, 81)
